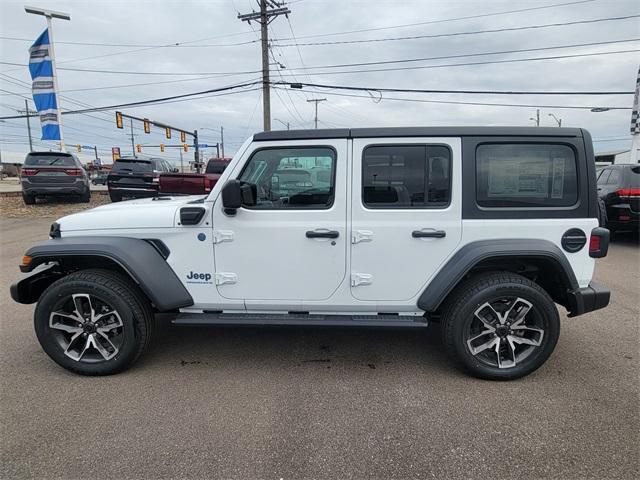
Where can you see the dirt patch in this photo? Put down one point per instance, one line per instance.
(14, 207)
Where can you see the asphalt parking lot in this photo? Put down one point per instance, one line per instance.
(296, 403)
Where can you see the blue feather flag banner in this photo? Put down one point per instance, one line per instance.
(42, 87)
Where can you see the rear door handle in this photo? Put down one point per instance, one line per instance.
(322, 234)
(428, 234)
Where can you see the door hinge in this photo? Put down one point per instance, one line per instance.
(220, 236)
(361, 236)
(361, 279)
(225, 277)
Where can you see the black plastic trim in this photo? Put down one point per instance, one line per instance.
(473, 253)
(191, 215)
(588, 299)
(54, 231)
(416, 132)
(139, 259)
(29, 288)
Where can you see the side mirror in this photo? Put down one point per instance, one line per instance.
(175, 170)
(236, 193)
(231, 197)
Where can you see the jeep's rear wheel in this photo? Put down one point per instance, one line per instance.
(500, 326)
(93, 322)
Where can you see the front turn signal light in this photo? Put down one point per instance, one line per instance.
(26, 260)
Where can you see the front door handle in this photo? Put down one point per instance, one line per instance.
(322, 234)
(428, 234)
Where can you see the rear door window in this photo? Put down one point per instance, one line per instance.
(526, 175)
(214, 167)
(406, 176)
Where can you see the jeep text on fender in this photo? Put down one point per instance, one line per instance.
(483, 229)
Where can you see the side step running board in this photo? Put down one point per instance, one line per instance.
(205, 319)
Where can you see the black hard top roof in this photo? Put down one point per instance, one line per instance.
(417, 132)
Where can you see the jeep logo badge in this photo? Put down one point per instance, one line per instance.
(195, 277)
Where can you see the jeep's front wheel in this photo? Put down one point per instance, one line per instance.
(500, 326)
(93, 322)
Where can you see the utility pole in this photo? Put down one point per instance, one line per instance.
(264, 17)
(27, 111)
(133, 142)
(316, 101)
(221, 140)
(217, 150)
(537, 119)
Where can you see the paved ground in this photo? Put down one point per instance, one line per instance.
(323, 403)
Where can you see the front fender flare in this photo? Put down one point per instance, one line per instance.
(138, 258)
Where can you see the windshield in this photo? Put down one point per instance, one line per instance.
(132, 166)
(216, 167)
(48, 160)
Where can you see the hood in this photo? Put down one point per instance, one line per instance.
(140, 213)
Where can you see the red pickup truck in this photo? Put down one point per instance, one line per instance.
(193, 183)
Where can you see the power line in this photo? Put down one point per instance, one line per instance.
(464, 64)
(468, 17)
(454, 34)
(317, 35)
(453, 102)
(462, 55)
(473, 92)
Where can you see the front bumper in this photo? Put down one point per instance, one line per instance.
(588, 299)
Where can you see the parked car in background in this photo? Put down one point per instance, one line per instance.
(136, 177)
(100, 179)
(619, 189)
(194, 183)
(46, 174)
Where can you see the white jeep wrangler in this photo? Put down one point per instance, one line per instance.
(482, 229)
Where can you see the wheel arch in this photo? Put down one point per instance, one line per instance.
(539, 260)
(143, 261)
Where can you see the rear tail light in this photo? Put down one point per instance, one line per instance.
(74, 172)
(29, 172)
(599, 242)
(628, 192)
(207, 184)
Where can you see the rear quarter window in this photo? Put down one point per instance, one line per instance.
(526, 175)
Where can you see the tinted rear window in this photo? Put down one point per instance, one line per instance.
(50, 160)
(216, 167)
(526, 175)
(132, 166)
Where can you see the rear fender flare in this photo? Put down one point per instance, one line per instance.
(470, 255)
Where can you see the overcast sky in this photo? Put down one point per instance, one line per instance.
(214, 32)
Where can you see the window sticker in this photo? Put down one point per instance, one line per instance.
(518, 178)
(557, 185)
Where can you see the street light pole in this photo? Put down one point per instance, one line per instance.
(558, 120)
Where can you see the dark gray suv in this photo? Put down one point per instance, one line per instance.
(53, 173)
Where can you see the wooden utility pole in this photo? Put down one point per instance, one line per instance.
(263, 17)
(316, 101)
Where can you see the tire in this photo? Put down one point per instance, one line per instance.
(28, 199)
(86, 196)
(120, 334)
(115, 197)
(524, 319)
